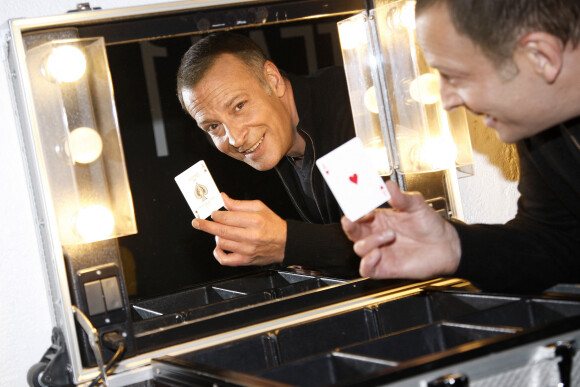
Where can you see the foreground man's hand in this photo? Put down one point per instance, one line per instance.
(408, 241)
(249, 233)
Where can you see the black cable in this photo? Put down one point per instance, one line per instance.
(110, 364)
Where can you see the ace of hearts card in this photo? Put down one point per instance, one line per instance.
(353, 179)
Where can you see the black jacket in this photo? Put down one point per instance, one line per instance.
(326, 122)
(540, 247)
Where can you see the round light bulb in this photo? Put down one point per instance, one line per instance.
(85, 145)
(370, 100)
(95, 223)
(439, 153)
(380, 159)
(401, 17)
(425, 89)
(352, 34)
(66, 64)
(407, 15)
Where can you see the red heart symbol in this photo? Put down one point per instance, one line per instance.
(353, 178)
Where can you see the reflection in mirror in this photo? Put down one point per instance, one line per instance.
(161, 140)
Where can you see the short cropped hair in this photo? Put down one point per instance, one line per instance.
(202, 55)
(496, 26)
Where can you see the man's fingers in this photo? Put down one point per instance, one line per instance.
(400, 201)
(230, 259)
(235, 246)
(367, 218)
(394, 191)
(219, 229)
(237, 218)
(200, 224)
(368, 264)
(205, 225)
(354, 230)
(373, 241)
(226, 258)
(349, 228)
(242, 205)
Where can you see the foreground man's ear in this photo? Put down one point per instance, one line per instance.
(546, 54)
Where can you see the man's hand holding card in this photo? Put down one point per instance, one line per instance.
(248, 233)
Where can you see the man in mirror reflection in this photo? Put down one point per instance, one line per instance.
(516, 64)
(261, 116)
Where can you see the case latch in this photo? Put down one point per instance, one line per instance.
(455, 380)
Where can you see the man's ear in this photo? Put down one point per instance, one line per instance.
(274, 78)
(545, 53)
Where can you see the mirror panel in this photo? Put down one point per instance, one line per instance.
(161, 141)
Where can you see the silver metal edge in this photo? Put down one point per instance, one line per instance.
(45, 219)
(87, 17)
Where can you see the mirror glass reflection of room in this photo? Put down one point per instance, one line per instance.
(160, 141)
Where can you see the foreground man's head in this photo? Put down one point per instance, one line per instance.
(510, 61)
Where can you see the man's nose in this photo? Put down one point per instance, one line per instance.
(237, 134)
(450, 99)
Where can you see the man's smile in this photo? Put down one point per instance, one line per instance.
(254, 147)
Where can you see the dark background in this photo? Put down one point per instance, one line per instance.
(167, 254)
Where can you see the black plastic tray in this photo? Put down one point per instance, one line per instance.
(223, 296)
(380, 339)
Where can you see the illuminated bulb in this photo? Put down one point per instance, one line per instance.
(439, 153)
(370, 100)
(95, 223)
(425, 89)
(380, 159)
(66, 64)
(407, 15)
(377, 152)
(402, 16)
(85, 145)
(352, 34)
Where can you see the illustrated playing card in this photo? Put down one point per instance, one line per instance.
(199, 189)
(353, 179)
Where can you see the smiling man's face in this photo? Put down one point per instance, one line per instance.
(245, 119)
(508, 98)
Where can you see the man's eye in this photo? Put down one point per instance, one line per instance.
(212, 127)
(449, 79)
(239, 106)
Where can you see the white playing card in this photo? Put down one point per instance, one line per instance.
(200, 190)
(353, 179)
